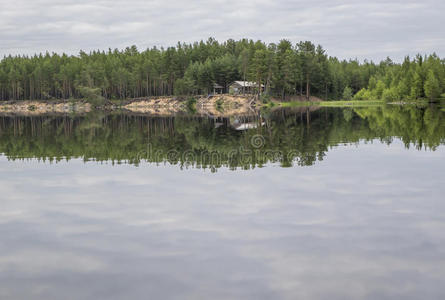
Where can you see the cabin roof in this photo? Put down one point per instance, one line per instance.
(246, 83)
(217, 86)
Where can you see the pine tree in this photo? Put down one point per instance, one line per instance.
(417, 86)
(259, 68)
(347, 93)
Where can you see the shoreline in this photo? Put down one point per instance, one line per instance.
(215, 105)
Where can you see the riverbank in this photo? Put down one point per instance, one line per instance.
(325, 103)
(32, 107)
(216, 105)
(346, 103)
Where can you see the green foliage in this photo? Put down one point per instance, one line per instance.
(183, 86)
(191, 104)
(286, 70)
(347, 93)
(413, 79)
(390, 95)
(91, 95)
(348, 114)
(363, 94)
(379, 89)
(432, 86)
(219, 104)
(265, 98)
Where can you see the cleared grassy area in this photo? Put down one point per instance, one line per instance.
(352, 103)
(342, 103)
(355, 103)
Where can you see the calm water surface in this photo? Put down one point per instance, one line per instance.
(305, 204)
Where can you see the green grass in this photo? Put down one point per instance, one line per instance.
(355, 103)
(342, 103)
(351, 103)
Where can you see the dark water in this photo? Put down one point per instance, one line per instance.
(304, 204)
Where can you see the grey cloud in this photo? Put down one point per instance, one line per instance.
(348, 29)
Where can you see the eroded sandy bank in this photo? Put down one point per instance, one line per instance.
(43, 107)
(218, 105)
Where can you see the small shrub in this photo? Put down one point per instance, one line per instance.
(191, 104)
(219, 104)
(92, 95)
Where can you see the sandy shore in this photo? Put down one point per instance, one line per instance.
(43, 107)
(218, 105)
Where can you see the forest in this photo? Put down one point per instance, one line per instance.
(286, 70)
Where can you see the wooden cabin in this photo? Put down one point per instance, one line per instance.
(217, 89)
(244, 87)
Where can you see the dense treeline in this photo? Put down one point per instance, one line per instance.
(284, 69)
(290, 136)
(423, 77)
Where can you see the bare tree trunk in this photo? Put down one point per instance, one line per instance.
(244, 78)
(326, 92)
(259, 87)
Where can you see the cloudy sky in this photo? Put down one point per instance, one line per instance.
(360, 29)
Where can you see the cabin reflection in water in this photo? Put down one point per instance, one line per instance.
(240, 123)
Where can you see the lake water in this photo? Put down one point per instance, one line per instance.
(286, 204)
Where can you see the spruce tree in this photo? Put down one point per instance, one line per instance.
(432, 86)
